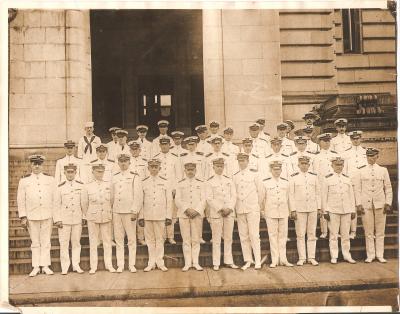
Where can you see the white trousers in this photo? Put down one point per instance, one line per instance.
(170, 230)
(277, 234)
(190, 237)
(124, 225)
(222, 227)
(154, 233)
(105, 231)
(374, 221)
(40, 233)
(249, 233)
(306, 223)
(353, 226)
(67, 234)
(339, 223)
(323, 224)
(139, 231)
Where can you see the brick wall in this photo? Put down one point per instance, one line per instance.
(50, 76)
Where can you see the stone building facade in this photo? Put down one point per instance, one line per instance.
(272, 63)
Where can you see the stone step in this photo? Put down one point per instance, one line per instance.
(25, 252)
(23, 266)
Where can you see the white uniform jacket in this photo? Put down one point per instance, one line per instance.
(304, 192)
(248, 191)
(190, 193)
(98, 198)
(87, 147)
(275, 197)
(59, 175)
(68, 202)
(126, 192)
(220, 193)
(340, 143)
(35, 196)
(338, 194)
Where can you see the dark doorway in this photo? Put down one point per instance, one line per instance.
(147, 65)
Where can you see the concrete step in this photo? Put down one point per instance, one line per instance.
(173, 260)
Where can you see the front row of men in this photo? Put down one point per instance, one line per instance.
(246, 196)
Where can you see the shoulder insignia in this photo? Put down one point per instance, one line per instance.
(283, 178)
(361, 166)
(294, 174)
(268, 156)
(314, 174)
(117, 173)
(294, 153)
(144, 159)
(162, 178)
(208, 136)
(200, 153)
(133, 173)
(263, 139)
(210, 178)
(236, 172)
(209, 154)
(79, 157)
(77, 181)
(284, 155)
(316, 153)
(227, 155)
(329, 175)
(348, 149)
(345, 175)
(254, 170)
(333, 152)
(46, 174)
(27, 175)
(199, 180)
(266, 133)
(94, 160)
(183, 154)
(110, 160)
(62, 183)
(181, 180)
(145, 178)
(226, 176)
(255, 155)
(266, 179)
(172, 147)
(156, 155)
(307, 151)
(174, 154)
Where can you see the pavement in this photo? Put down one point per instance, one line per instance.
(42, 290)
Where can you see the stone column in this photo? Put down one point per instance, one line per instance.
(242, 69)
(50, 77)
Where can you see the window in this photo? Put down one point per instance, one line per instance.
(351, 23)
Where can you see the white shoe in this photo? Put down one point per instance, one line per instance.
(92, 271)
(216, 267)
(171, 241)
(111, 269)
(34, 272)
(163, 268)
(78, 269)
(272, 265)
(247, 265)
(313, 262)
(202, 241)
(233, 266)
(132, 269)
(113, 243)
(369, 260)
(64, 272)
(381, 260)
(257, 266)
(352, 235)
(46, 270)
(333, 260)
(141, 242)
(287, 264)
(350, 260)
(120, 270)
(323, 236)
(185, 268)
(198, 267)
(149, 268)
(300, 262)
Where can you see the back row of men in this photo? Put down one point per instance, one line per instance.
(302, 185)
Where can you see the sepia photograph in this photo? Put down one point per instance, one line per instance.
(201, 157)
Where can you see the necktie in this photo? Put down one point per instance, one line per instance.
(88, 144)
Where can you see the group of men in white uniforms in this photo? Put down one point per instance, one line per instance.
(140, 188)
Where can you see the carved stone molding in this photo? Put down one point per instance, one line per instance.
(12, 13)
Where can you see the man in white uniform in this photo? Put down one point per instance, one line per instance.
(203, 146)
(338, 206)
(112, 145)
(248, 199)
(221, 199)
(374, 197)
(311, 145)
(263, 134)
(177, 149)
(69, 158)
(261, 146)
(156, 214)
(109, 164)
(35, 209)
(126, 198)
(228, 147)
(305, 201)
(122, 147)
(301, 144)
(288, 146)
(214, 128)
(277, 154)
(341, 141)
(255, 162)
(87, 144)
(193, 155)
(275, 204)
(163, 129)
(230, 164)
(68, 203)
(190, 201)
(145, 144)
(98, 213)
